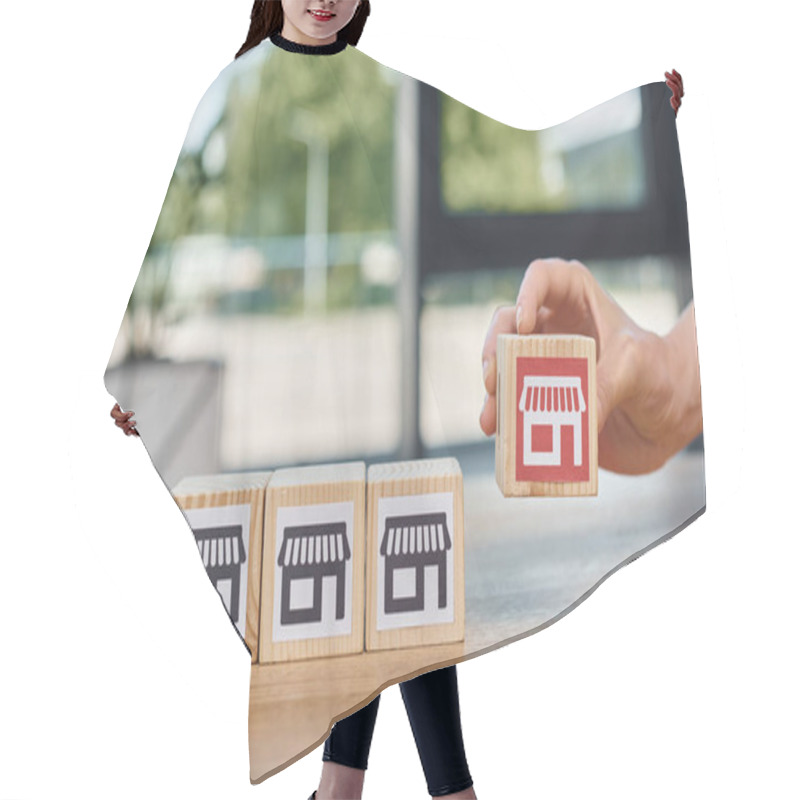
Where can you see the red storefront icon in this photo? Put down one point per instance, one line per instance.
(552, 419)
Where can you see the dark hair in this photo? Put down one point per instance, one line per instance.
(266, 18)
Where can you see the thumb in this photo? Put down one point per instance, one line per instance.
(616, 378)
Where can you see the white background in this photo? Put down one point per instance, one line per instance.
(677, 678)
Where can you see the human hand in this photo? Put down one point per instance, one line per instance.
(648, 387)
(123, 419)
(675, 83)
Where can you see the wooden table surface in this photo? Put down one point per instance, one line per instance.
(528, 561)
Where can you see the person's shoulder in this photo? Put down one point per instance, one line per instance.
(242, 69)
(367, 64)
(249, 61)
(356, 54)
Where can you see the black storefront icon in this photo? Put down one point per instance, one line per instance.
(313, 551)
(414, 541)
(222, 551)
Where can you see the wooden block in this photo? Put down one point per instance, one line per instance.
(226, 515)
(415, 554)
(546, 442)
(313, 567)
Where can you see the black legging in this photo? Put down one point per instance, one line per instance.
(431, 702)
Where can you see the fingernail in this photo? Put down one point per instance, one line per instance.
(519, 317)
(485, 368)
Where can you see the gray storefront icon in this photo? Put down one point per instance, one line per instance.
(222, 551)
(415, 541)
(313, 552)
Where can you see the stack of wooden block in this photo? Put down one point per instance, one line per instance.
(334, 559)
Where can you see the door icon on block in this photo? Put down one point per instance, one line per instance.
(552, 419)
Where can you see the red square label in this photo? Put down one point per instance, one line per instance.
(552, 418)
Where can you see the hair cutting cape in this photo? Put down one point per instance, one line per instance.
(332, 245)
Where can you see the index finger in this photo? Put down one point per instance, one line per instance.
(550, 282)
(118, 414)
(675, 78)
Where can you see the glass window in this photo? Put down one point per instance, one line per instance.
(593, 161)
